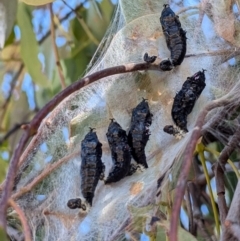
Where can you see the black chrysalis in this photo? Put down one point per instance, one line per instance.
(149, 59)
(121, 154)
(185, 99)
(92, 169)
(139, 132)
(175, 37)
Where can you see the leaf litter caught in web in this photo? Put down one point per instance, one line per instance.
(63, 130)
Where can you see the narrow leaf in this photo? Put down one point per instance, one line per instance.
(29, 46)
(37, 2)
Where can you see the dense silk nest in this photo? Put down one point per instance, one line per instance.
(135, 29)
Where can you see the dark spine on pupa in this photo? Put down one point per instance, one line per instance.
(139, 132)
(185, 99)
(92, 167)
(120, 151)
(175, 37)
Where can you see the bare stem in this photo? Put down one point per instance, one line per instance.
(232, 222)
(15, 128)
(55, 49)
(187, 9)
(219, 168)
(232, 51)
(61, 20)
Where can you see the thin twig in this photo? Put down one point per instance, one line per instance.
(11, 60)
(234, 51)
(192, 225)
(200, 149)
(186, 164)
(12, 131)
(219, 168)
(197, 215)
(48, 170)
(61, 20)
(55, 49)
(33, 126)
(232, 222)
(202, 6)
(219, 177)
(227, 151)
(7, 101)
(84, 25)
(26, 228)
(187, 9)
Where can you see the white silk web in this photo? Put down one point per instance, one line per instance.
(134, 30)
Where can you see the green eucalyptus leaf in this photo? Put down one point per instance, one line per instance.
(49, 58)
(8, 10)
(29, 46)
(37, 2)
(139, 216)
(3, 236)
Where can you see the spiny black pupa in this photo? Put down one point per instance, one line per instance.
(185, 99)
(120, 151)
(92, 169)
(175, 38)
(139, 132)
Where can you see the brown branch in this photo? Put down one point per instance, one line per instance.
(197, 214)
(192, 225)
(26, 228)
(37, 120)
(219, 168)
(55, 49)
(218, 122)
(203, 230)
(48, 170)
(227, 151)
(232, 222)
(201, 179)
(7, 101)
(186, 164)
(187, 9)
(219, 176)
